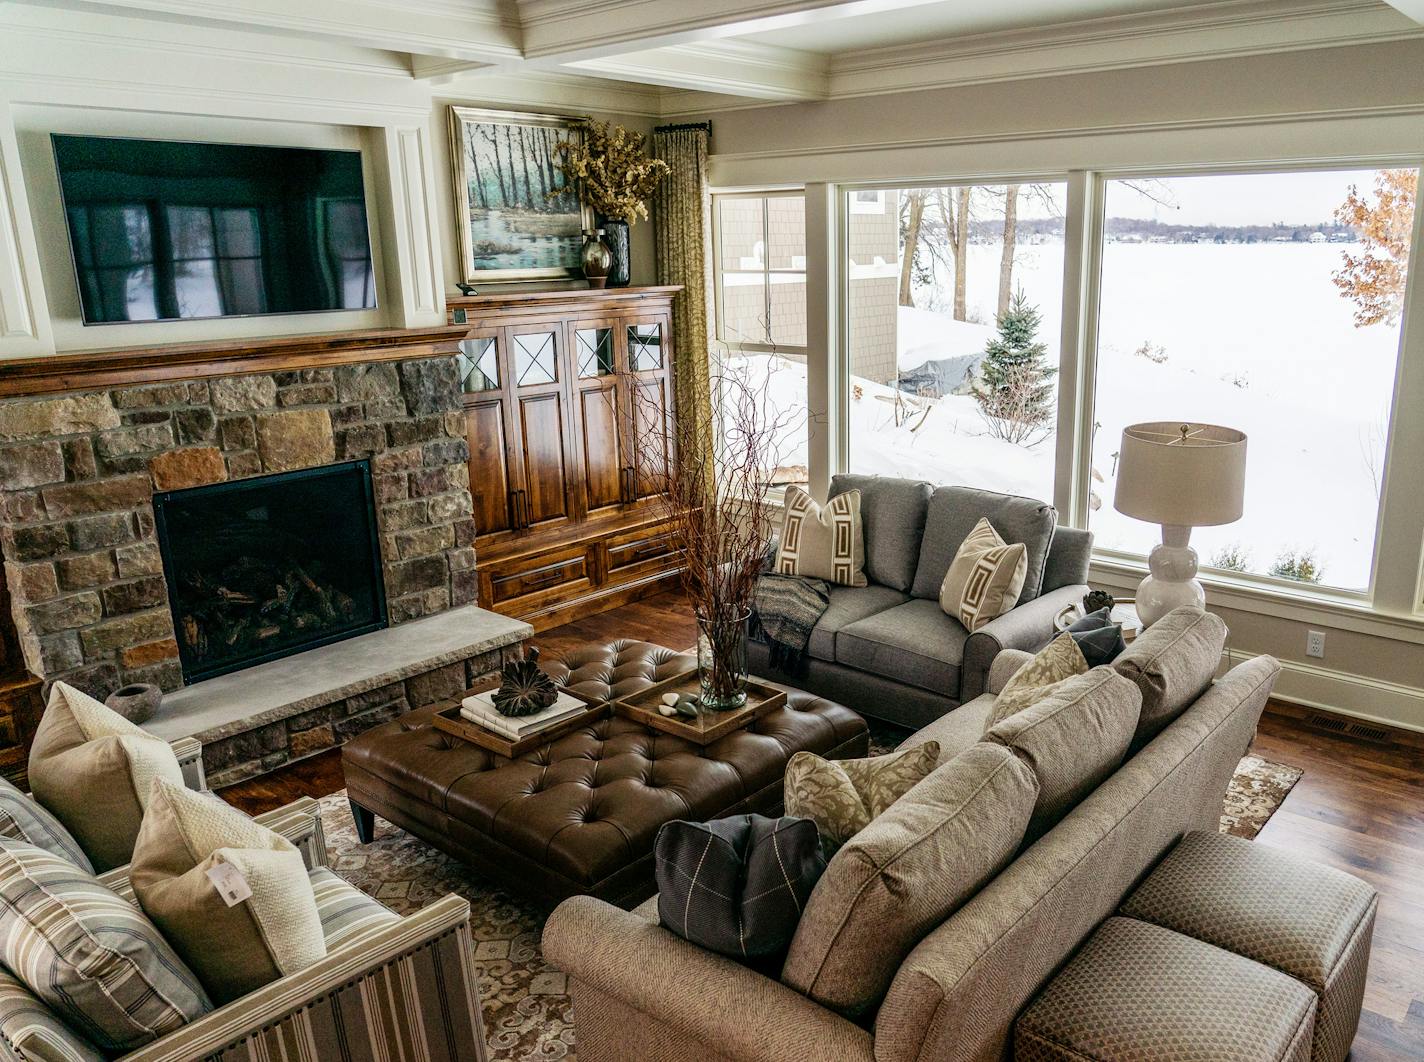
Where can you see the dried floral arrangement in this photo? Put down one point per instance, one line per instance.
(612, 166)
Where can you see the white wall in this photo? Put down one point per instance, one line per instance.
(88, 72)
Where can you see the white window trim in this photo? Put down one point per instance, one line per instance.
(768, 347)
(1393, 604)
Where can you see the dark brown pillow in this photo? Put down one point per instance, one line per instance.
(737, 885)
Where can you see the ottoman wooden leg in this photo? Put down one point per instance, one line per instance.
(365, 822)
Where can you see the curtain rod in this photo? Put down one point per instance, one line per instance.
(707, 126)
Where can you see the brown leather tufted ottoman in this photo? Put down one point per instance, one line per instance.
(579, 815)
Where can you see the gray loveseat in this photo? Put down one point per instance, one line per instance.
(888, 649)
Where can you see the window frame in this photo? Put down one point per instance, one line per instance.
(763, 194)
(1084, 230)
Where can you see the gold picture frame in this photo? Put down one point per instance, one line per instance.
(503, 171)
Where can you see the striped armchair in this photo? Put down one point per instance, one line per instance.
(389, 987)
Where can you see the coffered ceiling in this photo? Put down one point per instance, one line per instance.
(680, 56)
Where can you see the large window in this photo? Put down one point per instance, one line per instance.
(954, 299)
(760, 255)
(1270, 303)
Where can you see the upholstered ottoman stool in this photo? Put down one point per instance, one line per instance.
(580, 813)
(1136, 992)
(1303, 919)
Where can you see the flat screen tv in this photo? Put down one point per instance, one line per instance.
(161, 230)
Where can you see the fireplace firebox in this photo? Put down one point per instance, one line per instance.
(263, 568)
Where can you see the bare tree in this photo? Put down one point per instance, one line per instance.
(955, 211)
(911, 221)
(1006, 253)
(492, 134)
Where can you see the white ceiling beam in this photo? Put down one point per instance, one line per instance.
(732, 68)
(1413, 8)
(476, 30)
(577, 30)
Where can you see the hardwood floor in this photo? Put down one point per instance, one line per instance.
(1359, 807)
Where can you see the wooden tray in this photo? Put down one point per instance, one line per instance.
(450, 721)
(642, 707)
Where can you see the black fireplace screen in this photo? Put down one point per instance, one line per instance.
(266, 567)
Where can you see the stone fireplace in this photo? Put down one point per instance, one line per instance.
(148, 530)
(263, 568)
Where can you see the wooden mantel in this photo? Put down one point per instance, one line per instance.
(130, 366)
(91, 371)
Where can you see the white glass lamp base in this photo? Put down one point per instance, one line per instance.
(1173, 581)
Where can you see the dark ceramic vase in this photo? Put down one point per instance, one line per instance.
(135, 702)
(615, 235)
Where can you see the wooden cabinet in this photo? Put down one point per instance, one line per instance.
(20, 702)
(568, 403)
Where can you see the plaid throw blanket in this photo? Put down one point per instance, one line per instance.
(784, 609)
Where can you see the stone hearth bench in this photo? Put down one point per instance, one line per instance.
(579, 815)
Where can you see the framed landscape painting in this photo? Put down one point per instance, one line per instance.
(518, 218)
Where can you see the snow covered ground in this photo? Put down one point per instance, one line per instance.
(1256, 337)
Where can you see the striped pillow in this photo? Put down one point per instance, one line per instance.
(822, 543)
(35, 1030)
(92, 958)
(22, 818)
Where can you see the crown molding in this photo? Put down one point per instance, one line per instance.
(561, 91)
(1224, 30)
(731, 67)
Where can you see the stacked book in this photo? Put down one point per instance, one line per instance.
(480, 709)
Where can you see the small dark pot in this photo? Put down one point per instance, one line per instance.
(615, 235)
(135, 702)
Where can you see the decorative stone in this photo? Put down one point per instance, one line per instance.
(238, 433)
(79, 460)
(669, 699)
(85, 572)
(298, 438)
(64, 613)
(424, 541)
(36, 543)
(428, 481)
(124, 631)
(409, 577)
(123, 598)
(196, 425)
(430, 385)
(104, 495)
(31, 465)
(307, 395)
(453, 506)
(361, 383)
(60, 652)
(144, 439)
(194, 467)
(240, 466)
(411, 432)
(166, 675)
(136, 701)
(149, 653)
(23, 508)
(442, 684)
(170, 394)
(446, 452)
(48, 417)
(396, 461)
(404, 515)
(141, 558)
(360, 441)
(243, 394)
(100, 532)
(306, 742)
(666, 709)
(31, 583)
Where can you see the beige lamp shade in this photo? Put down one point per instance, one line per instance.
(1188, 475)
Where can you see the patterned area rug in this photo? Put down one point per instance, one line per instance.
(528, 1014)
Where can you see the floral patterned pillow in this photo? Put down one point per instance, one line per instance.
(842, 796)
(1060, 659)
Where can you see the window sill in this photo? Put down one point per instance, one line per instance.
(1337, 609)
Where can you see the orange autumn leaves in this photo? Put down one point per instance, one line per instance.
(1374, 279)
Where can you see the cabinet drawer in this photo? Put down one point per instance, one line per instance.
(654, 547)
(564, 571)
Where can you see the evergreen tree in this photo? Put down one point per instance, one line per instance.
(1015, 385)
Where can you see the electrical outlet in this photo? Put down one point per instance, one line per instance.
(1314, 643)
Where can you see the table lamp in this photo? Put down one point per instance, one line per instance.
(1180, 476)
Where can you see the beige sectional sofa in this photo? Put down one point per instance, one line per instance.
(641, 992)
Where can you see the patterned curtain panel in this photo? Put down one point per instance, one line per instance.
(682, 221)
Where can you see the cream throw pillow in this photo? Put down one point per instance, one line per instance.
(1057, 661)
(234, 949)
(985, 578)
(93, 769)
(822, 543)
(842, 797)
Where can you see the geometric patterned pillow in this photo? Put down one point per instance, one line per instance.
(842, 797)
(89, 955)
(822, 543)
(985, 579)
(22, 818)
